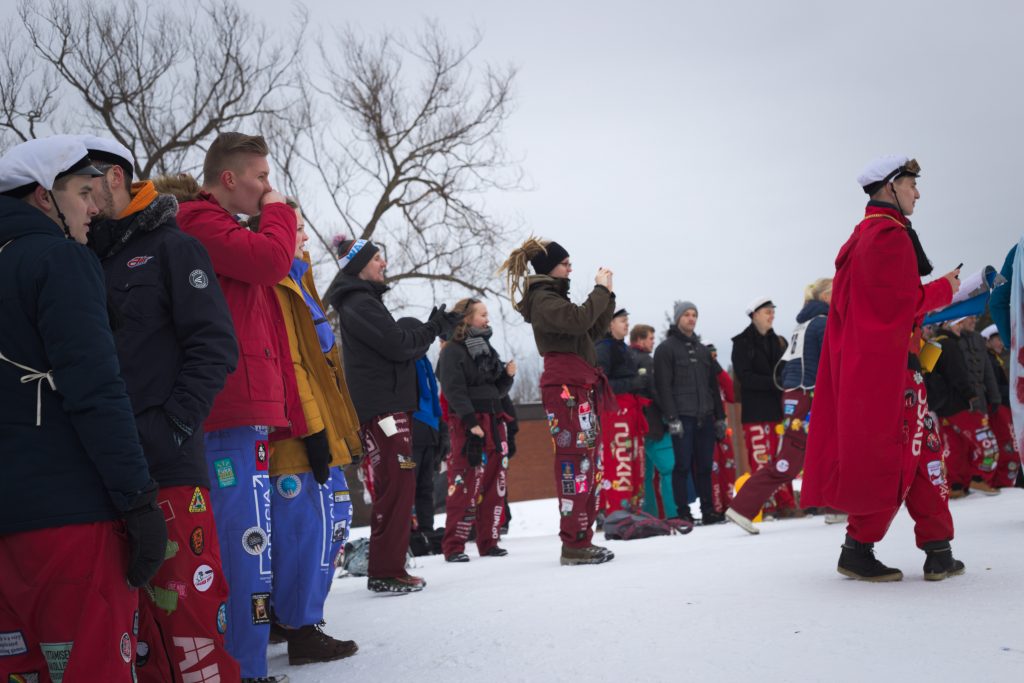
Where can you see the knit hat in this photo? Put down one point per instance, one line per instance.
(353, 255)
(682, 307)
(884, 169)
(758, 303)
(544, 262)
(41, 162)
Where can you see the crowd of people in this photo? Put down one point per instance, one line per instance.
(177, 402)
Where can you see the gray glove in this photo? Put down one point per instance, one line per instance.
(675, 427)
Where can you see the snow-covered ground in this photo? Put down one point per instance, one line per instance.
(715, 605)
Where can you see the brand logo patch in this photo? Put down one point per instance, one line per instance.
(198, 279)
(139, 261)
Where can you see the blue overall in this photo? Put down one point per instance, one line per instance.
(238, 460)
(312, 523)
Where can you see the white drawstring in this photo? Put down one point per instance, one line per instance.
(38, 377)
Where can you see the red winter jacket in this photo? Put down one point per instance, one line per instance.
(855, 448)
(262, 391)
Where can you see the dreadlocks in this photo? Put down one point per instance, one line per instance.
(515, 267)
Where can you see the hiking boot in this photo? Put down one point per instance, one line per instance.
(396, 584)
(939, 562)
(857, 561)
(456, 557)
(496, 552)
(744, 523)
(309, 644)
(280, 678)
(983, 487)
(709, 518)
(278, 633)
(591, 554)
(957, 492)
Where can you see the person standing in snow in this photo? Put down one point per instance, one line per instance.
(798, 377)
(869, 451)
(999, 415)
(574, 391)
(659, 459)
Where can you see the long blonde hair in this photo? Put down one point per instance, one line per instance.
(465, 308)
(817, 289)
(515, 267)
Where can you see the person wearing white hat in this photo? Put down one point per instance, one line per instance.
(1000, 416)
(176, 345)
(76, 484)
(873, 445)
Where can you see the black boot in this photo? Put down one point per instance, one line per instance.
(309, 644)
(939, 562)
(857, 561)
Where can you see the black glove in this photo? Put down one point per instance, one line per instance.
(720, 427)
(444, 440)
(675, 427)
(511, 441)
(473, 449)
(318, 452)
(442, 323)
(180, 431)
(147, 537)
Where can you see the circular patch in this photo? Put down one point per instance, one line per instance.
(779, 429)
(909, 398)
(504, 462)
(198, 279)
(451, 490)
(254, 540)
(141, 653)
(929, 423)
(782, 465)
(126, 647)
(606, 484)
(203, 578)
(585, 465)
(197, 540)
(289, 486)
(222, 618)
(933, 442)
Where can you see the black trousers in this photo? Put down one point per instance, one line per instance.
(424, 456)
(694, 450)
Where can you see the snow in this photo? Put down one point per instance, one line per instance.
(714, 605)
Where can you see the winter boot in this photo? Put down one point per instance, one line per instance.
(278, 633)
(857, 561)
(396, 584)
(457, 557)
(982, 486)
(309, 644)
(496, 552)
(741, 521)
(280, 678)
(709, 518)
(591, 554)
(939, 563)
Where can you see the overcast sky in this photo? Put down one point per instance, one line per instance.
(709, 151)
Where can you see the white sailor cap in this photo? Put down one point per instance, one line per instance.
(108, 150)
(759, 302)
(989, 331)
(883, 169)
(41, 162)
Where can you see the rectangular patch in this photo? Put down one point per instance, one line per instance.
(566, 507)
(12, 643)
(568, 470)
(260, 608)
(24, 677)
(225, 473)
(338, 532)
(405, 462)
(342, 497)
(57, 656)
(581, 483)
(165, 505)
(568, 488)
(586, 424)
(263, 456)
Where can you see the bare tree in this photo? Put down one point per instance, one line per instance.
(405, 141)
(162, 80)
(28, 92)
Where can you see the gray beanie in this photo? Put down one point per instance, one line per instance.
(682, 307)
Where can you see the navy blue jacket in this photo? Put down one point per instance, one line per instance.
(814, 336)
(84, 463)
(174, 335)
(619, 365)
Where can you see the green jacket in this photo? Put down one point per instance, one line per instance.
(560, 325)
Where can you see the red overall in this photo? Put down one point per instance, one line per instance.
(762, 441)
(175, 611)
(973, 450)
(723, 474)
(796, 405)
(394, 489)
(922, 484)
(476, 495)
(574, 393)
(622, 443)
(65, 607)
(1001, 421)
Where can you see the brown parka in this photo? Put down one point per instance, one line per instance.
(560, 325)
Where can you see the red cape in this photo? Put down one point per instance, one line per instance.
(855, 442)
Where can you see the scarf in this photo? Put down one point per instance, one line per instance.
(483, 354)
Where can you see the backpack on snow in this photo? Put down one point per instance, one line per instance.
(622, 525)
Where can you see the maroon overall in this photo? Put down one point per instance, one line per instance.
(394, 489)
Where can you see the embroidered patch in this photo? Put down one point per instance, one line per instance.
(198, 279)
(342, 497)
(568, 469)
(24, 677)
(126, 647)
(504, 462)
(179, 588)
(254, 540)
(568, 488)
(12, 643)
(585, 465)
(405, 462)
(566, 507)
(202, 579)
(935, 473)
(165, 599)
(139, 261)
(289, 486)
(338, 531)
(198, 503)
(260, 608)
(263, 455)
(586, 423)
(165, 505)
(171, 549)
(141, 653)
(564, 439)
(782, 466)
(225, 473)
(933, 443)
(57, 656)
(197, 541)
(581, 483)
(222, 618)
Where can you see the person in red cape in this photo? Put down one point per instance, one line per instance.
(874, 444)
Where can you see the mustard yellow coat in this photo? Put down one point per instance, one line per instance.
(321, 381)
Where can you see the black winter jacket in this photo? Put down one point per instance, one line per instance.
(472, 386)
(619, 366)
(979, 370)
(645, 371)
(174, 335)
(686, 378)
(754, 357)
(379, 356)
(1002, 376)
(949, 384)
(83, 463)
